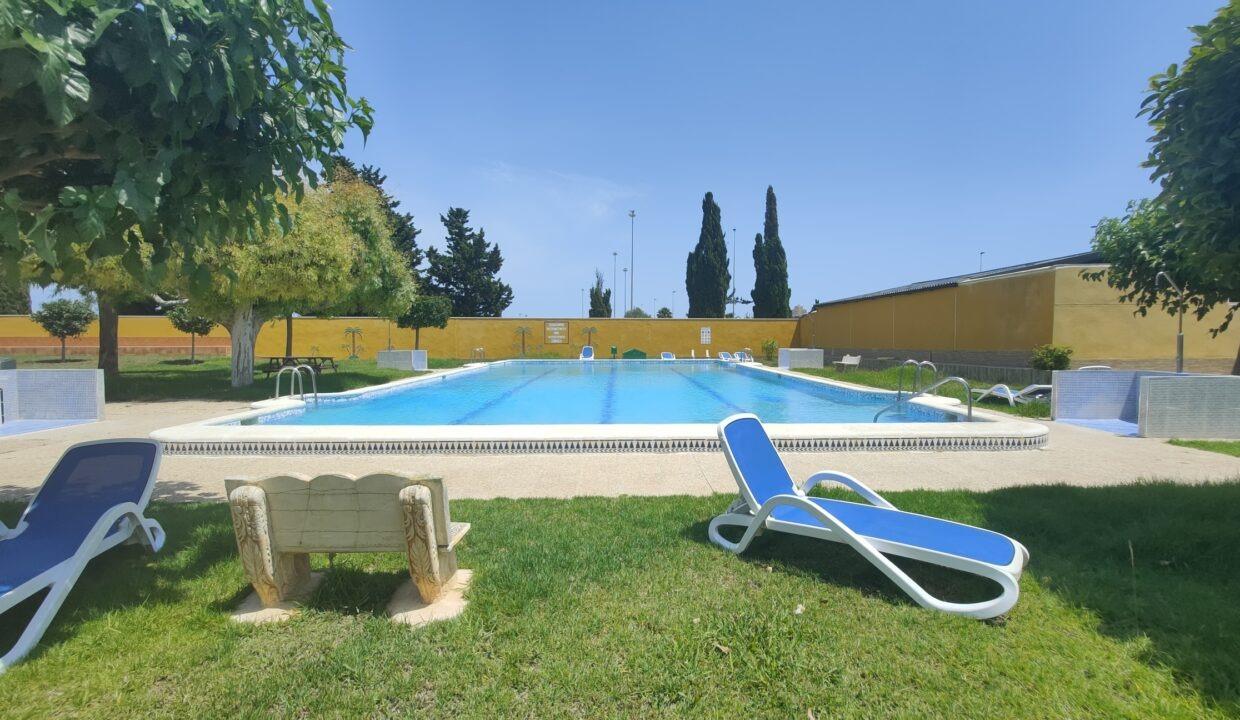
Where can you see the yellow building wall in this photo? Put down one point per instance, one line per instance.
(497, 336)
(1015, 312)
(925, 320)
(1098, 327)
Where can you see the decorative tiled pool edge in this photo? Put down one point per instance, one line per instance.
(589, 445)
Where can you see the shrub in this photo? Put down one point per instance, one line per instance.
(664, 312)
(64, 319)
(1050, 357)
(770, 348)
(636, 312)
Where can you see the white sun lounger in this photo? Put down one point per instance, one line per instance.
(665, 355)
(1026, 394)
(92, 501)
(725, 356)
(770, 500)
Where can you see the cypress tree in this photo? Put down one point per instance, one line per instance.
(760, 280)
(467, 270)
(706, 272)
(776, 292)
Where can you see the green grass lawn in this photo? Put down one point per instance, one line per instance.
(155, 377)
(621, 608)
(1226, 447)
(889, 379)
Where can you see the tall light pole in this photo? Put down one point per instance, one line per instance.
(614, 255)
(980, 257)
(632, 256)
(673, 308)
(1179, 335)
(733, 272)
(626, 288)
(583, 302)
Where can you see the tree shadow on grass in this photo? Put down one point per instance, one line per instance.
(1157, 560)
(199, 536)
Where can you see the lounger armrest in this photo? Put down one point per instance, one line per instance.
(4, 530)
(848, 481)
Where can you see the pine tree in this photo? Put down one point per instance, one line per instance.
(466, 271)
(761, 282)
(600, 299)
(706, 272)
(775, 293)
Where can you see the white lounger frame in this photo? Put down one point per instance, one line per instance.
(872, 549)
(1026, 394)
(60, 578)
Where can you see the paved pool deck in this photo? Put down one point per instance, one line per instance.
(1075, 456)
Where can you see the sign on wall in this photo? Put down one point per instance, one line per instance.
(555, 333)
(706, 335)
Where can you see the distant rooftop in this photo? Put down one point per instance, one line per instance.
(1085, 258)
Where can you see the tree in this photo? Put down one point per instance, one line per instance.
(1194, 111)
(636, 312)
(798, 311)
(183, 319)
(338, 254)
(706, 272)
(664, 313)
(404, 234)
(770, 292)
(600, 299)
(466, 271)
(179, 123)
(14, 294)
(523, 332)
(64, 319)
(426, 311)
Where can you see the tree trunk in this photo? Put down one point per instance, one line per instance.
(1235, 367)
(243, 332)
(416, 331)
(192, 337)
(288, 336)
(109, 342)
(62, 350)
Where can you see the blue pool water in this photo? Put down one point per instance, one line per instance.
(607, 392)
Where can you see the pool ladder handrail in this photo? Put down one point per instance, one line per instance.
(917, 365)
(297, 384)
(968, 395)
(1, 406)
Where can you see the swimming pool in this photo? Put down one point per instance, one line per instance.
(600, 406)
(555, 392)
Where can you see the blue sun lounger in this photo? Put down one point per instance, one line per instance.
(770, 500)
(665, 355)
(587, 353)
(92, 501)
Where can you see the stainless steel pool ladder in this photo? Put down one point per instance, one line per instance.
(968, 395)
(917, 368)
(296, 383)
(1, 406)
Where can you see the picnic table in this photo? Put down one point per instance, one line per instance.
(318, 362)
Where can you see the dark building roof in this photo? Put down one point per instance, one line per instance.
(1085, 258)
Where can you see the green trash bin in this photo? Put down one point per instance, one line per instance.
(613, 352)
(634, 354)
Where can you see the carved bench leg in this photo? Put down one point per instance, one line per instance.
(275, 576)
(425, 567)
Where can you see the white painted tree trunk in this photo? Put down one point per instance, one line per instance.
(243, 333)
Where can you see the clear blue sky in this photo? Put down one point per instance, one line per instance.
(901, 138)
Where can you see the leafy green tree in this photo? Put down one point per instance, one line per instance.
(636, 312)
(770, 292)
(426, 311)
(1192, 230)
(181, 123)
(183, 319)
(64, 319)
(664, 313)
(706, 272)
(600, 299)
(466, 271)
(338, 254)
(404, 233)
(14, 294)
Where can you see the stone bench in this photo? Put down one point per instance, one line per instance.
(280, 520)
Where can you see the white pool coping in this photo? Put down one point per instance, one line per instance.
(221, 436)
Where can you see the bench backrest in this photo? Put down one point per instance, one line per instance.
(338, 513)
(851, 360)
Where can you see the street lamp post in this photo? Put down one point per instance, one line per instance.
(733, 272)
(673, 308)
(1179, 335)
(632, 256)
(614, 255)
(583, 302)
(980, 257)
(626, 288)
